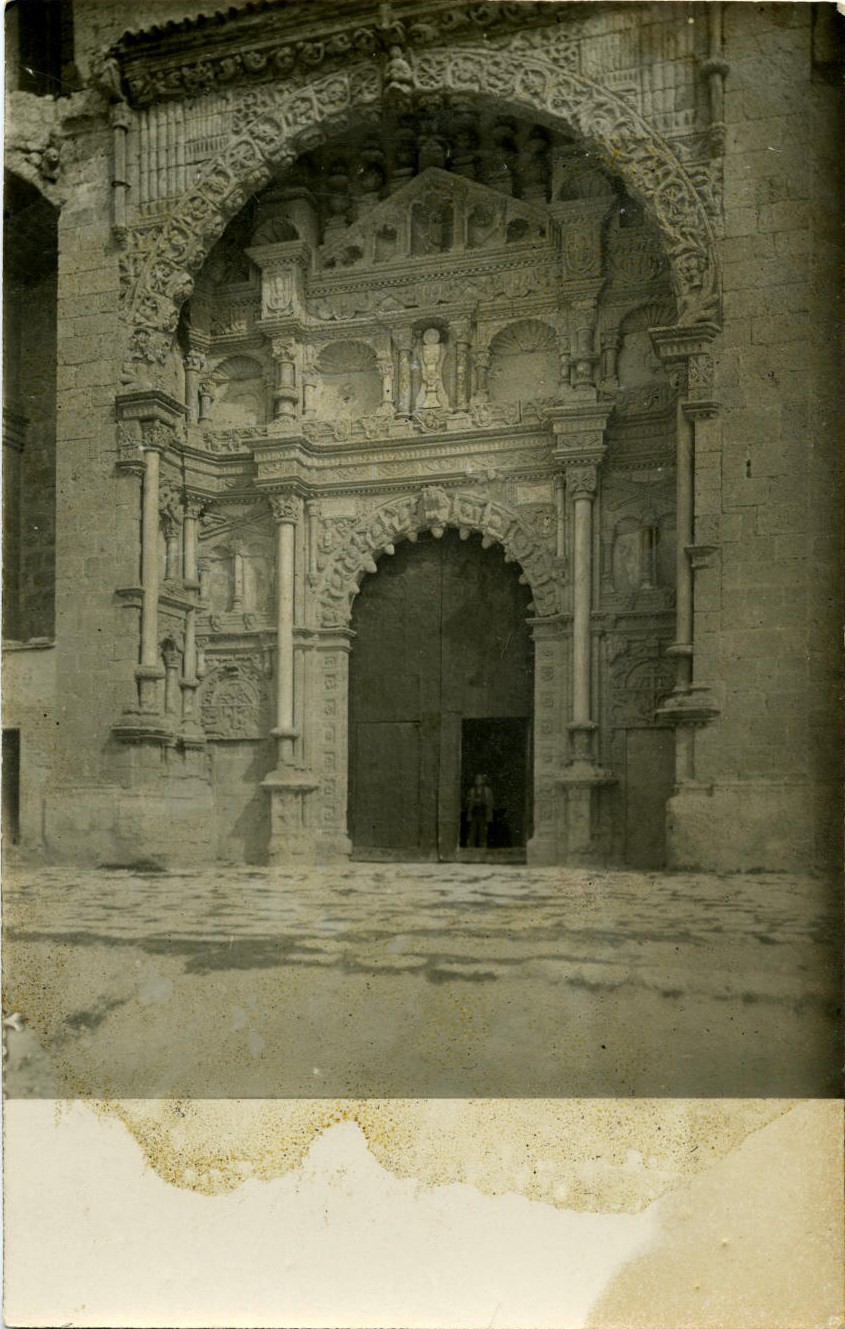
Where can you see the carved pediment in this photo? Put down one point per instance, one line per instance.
(436, 213)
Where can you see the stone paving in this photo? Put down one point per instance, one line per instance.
(426, 980)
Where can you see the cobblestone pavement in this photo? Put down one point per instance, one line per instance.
(424, 981)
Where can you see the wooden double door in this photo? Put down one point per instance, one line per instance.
(441, 689)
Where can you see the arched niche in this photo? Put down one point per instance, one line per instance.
(240, 399)
(524, 362)
(638, 365)
(348, 382)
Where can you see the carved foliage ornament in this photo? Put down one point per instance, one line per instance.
(434, 509)
(162, 278)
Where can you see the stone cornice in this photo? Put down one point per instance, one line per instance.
(274, 39)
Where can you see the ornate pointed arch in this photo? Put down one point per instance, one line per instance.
(295, 120)
(433, 509)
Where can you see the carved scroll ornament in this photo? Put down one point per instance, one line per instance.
(435, 509)
(159, 276)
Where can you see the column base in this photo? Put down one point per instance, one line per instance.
(582, 782)
(292, 840)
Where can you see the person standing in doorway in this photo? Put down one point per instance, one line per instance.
(479, 813)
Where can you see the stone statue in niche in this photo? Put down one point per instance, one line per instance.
(431, 357)
(431, 229)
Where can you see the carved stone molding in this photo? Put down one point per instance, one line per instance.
(159, 277)
(286, 506)
(434, 508)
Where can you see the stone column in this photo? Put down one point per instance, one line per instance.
(581, 482)
(194, 363)
(286, 513)
(237, 577)
(120, 119)
(461, 334)
(385, 368)
(583, 362)
(609, 356)
(156, 438)
(206, 396)
(560, 515)
(285, 390)
(193, 508)
(685, 351)
(170, 656)
(579, 430)
(481, 364)
(402, 342)
(171, 513)
(289, 787)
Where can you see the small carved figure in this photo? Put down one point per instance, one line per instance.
(431, 354)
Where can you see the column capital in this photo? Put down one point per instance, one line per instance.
(286, 506)
(283, 346)
(151, 406)
(195, 504)
(579, 431)
(582, 480)
(679, 343)
(157, 436)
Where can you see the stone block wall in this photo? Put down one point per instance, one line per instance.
(29, 705)
(768, 472)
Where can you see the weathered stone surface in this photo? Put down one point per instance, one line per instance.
(333, 285)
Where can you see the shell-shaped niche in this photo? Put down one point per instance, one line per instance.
(524, 362)
(348, 383)
(240, 400)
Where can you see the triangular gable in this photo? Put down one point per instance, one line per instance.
(468, 199)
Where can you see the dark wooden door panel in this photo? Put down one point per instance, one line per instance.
(387, 785)
(440, 635)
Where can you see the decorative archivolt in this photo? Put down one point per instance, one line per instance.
(434, 509)
(159, 280)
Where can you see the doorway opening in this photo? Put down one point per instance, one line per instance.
(11, 757)
(496, 748)
(441, 679)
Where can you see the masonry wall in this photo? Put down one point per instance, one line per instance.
(769, 484)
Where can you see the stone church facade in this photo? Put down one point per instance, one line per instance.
(419, 389)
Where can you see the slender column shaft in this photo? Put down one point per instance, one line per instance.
(189, 547)
(560, 516)
(189, 665)
(404, 403)
(171, 539)
(150, 572)
(238, 578)
(462, 374)
(582, 585)
(683, 571)
(285, 586)
(120, 179)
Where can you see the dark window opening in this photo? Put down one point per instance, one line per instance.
(30, 268)
(39, 47)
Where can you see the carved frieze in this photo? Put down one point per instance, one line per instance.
(646, 162)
